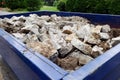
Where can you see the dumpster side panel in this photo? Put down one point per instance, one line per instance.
(39, 66)
(109, 71)
(80, 74)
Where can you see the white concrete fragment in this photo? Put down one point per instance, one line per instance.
(55, 38)
(84, 31)
(44, 17)
(96, 29)
(85, 48)
(106, 28)
(32, 27)
(84, 59)
(104, 36)
(92, 40)
(67, 30)
(44, 48)
(68, 38)
(97, 49)
(115, 41)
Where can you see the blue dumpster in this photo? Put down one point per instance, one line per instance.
(28, 65)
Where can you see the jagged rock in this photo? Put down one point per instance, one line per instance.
(68, 63)
(68, 38)
(96, 29)
(92, 39)
(45, 49)
(84, 59)
(55, 38)
(55, 18)
(20, 36)
(96, 51)
(64, 51)
(67, 30)
(33, 16)
(85, 48)
(104, 36)
(30, 38)
(104, 45)
(32, 27)
(97, 48)
(115, 41)
(106, 28)
(84, 31)
(18, 24)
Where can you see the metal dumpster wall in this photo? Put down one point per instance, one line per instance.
(113, 20)
(42, 68)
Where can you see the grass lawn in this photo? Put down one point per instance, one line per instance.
(48, 8)
(44, 8)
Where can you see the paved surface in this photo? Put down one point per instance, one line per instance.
(5, 72)
(4, 13)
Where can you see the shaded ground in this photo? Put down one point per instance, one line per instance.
(4, 13)
(5, 72)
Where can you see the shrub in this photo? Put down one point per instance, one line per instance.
(49, 2)
(69, 5)
(33, 5)
(90, 6)
(114, 6)
(61, 6)
(15, 4)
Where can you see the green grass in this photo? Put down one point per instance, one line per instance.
(49, 8)
(44, 8)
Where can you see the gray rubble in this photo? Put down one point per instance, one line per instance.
(85, 48)
(70, 42)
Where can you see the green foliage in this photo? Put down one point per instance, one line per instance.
(114, 6)
(49, 8)
(55, 3)
(12, 4)
(33, 5)
(49, 2)
(61, 5)
(94, 6)
(69, 5)
(101, 7)
(15, 4)
(2, 3)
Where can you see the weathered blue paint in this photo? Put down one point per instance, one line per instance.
(33, 66)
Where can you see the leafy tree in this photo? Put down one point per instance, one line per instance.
(61, 6)
(69, 5)
(114, 6)
(49, 2)
(12, 4)
(15, 4)
(90, 6)
(101, 7)
(33, 5)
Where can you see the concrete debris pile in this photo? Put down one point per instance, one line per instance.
(70, 42)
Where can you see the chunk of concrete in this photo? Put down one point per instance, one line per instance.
(104, 36)
(68, 63)
(84, 31)
(85, 48)
(106, 28)
(84, 59)
(96, 29)
(45, 49)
